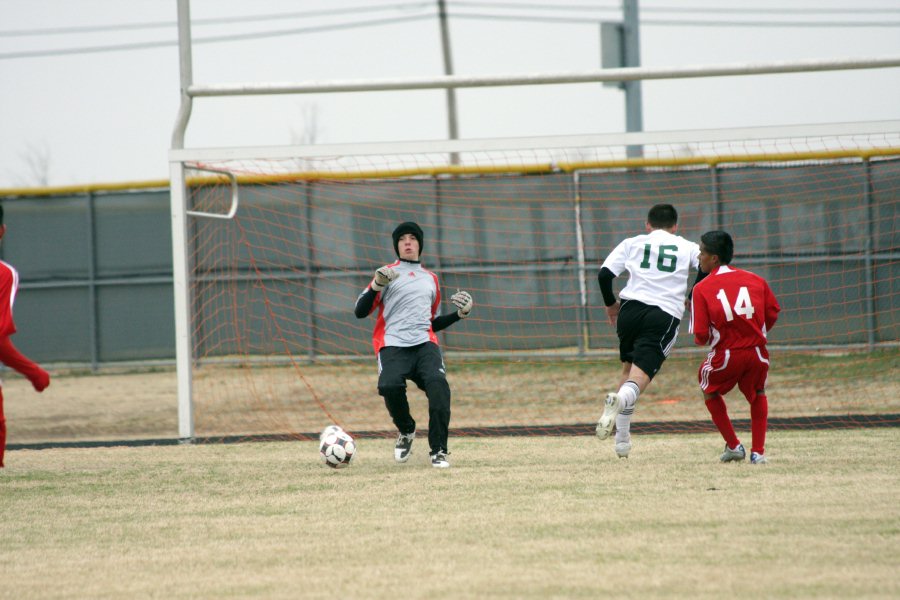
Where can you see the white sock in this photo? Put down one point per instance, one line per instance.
(629, 393)
(623, 427)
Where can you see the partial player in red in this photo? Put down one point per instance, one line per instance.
(733, 311)
(9, 283)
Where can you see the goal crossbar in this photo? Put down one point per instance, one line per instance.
(591, 76)
(550, 142)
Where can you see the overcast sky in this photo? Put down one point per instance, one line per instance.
(107, 116)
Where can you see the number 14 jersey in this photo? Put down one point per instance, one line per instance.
(733, 308)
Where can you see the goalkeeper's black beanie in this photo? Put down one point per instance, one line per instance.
(407, 227)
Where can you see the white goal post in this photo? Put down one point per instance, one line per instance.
(181, 159)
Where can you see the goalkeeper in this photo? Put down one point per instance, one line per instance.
(408, 299)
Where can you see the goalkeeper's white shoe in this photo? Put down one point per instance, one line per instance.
(403, 447)
(623, 449)
(608, 418)
(439, 460)
(757, 459)
(737, 453)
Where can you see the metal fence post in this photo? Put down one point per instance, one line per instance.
(869, 262)
(92, 282)
(311, 321)
(583, 320)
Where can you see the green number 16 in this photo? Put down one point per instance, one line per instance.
(664, 262)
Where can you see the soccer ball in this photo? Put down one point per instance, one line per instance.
(329, 430)
(336, 447)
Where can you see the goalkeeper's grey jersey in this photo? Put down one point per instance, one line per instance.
(406, 307)
(658, 264)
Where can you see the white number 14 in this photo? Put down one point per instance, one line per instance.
(743, 306)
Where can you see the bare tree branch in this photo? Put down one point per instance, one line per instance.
(37, 166)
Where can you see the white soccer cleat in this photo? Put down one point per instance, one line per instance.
(623, 449)
(439, 460)
(757, 459)
(403, 447)
(608, 418)
(733, 454)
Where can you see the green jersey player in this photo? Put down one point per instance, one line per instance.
(647, 313)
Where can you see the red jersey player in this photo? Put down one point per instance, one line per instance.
(9, 283)
(732, 311)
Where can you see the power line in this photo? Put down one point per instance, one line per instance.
(214, 21)
(406, 19)
(801, 24)
(525, 18)
(770, 11)
(681, 22)
(211, 39)
(677, 9)
(617, 8)
(423, 5)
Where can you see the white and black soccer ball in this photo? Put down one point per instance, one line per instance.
(337, 447)
(328, 430)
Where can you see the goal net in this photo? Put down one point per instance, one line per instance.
(523, 225)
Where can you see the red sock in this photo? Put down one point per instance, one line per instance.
(759, 419)
(719, 413)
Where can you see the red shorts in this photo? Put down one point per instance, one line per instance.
(748, 368)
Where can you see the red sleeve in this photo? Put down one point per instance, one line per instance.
(437, 296)
(699, 318)
(436, 304)
(14, 359)
(9, 283)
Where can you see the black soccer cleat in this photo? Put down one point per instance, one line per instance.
(403, 447)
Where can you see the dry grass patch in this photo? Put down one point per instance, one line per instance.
(514, 517)
(239, 400)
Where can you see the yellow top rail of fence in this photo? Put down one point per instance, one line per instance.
(434, 171)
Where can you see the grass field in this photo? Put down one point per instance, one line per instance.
(540, 517)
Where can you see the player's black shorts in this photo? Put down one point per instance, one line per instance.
(419, 364)
(646, 335)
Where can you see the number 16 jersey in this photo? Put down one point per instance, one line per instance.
(658, 265)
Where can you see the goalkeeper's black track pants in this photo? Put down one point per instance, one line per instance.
(424, 366)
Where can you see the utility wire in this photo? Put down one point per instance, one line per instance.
(799, 24)
(482, 17)
(590, 8)
(215, 21)
(679, 22)
(212, 39)
(617, 8)
(676, 9)
(411, 18)
(770, 11)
